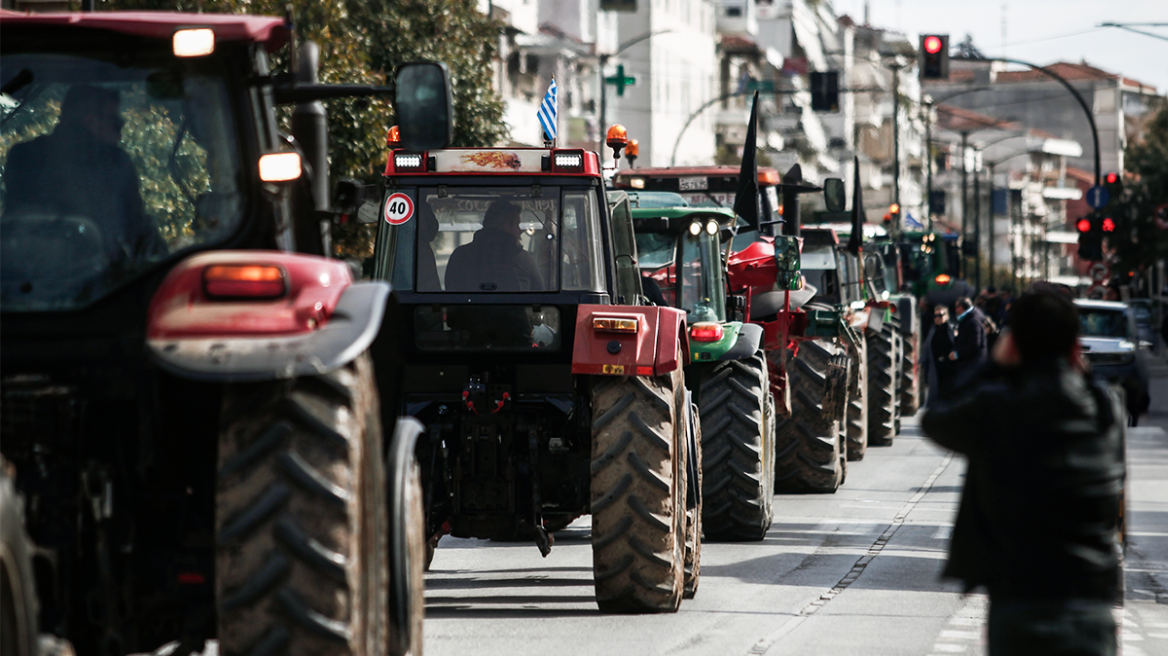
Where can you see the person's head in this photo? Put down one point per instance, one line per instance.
(1044, 325)
(428, 226)
(94, 109)
(503, 215)
(940, 314)
(962, 305)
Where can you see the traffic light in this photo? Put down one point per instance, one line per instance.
(1091, 236)
(1113, 183)
(934, 56)
(825, 91)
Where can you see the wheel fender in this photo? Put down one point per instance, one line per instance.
(749, 339)
(650, 350)
(906, 309)
(323, 321)
(399, 457)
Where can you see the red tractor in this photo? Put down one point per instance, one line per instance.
(189, 402)
(550, 388)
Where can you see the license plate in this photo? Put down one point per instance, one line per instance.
(692, 184)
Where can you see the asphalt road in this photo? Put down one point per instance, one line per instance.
(852, 573)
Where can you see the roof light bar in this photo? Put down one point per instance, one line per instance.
(403, 162)
(568, 162)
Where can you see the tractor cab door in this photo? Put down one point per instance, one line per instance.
(628, 278)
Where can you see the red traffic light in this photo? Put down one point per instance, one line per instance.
(1108, 225)
(1111, 178)
(932, 44)
(1084, 225)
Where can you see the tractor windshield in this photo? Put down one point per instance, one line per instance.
(494, 239)
(662, 254)
(112, 163)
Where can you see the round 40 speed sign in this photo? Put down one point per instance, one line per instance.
(399, 208)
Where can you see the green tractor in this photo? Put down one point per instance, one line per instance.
(680, 259)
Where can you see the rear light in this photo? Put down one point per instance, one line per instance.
(280, 167)
(194, 42)
(614, 325)
(706, 332)
(250, 281)
(942, 279)
(406, 162)
(637, 183)
(568, 162)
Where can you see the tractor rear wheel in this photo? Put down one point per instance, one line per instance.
(882, 360)
(638, 493)
(808, 444)
(910, 389)
(738, 494)
(18, 600)
(857, 430)
(693, 516)
(301, 517)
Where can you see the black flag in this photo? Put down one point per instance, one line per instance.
(746, 201)
(857, 237)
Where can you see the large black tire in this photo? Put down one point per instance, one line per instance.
(638, 494)
(857, 425)
(693, 516)
(738, 495)
(18, 600)
(808, 444)
(882, 359)
(910, 388)
(301, 517)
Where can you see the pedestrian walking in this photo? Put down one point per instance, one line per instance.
(969, 345)
(936, 366)
(1037, 525)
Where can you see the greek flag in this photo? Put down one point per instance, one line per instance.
(547, 112)
(912, 223)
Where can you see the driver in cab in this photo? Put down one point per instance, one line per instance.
(494, 261)
(80, 170)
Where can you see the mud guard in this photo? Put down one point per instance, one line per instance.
(324, 321)
(749, 339)
(399, 459)
(651, 349)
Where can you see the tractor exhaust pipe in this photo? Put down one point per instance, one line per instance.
(310, 129)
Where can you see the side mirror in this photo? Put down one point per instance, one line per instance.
(424, 107)
(834, 194)
(367, 205)
(345, 196)
(787, 261)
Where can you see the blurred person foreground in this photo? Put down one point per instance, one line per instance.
(1037, 525)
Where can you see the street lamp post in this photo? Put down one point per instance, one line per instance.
(604, 82)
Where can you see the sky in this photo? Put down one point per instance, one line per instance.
(1038, 31)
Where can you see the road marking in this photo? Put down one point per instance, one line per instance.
(764, 644)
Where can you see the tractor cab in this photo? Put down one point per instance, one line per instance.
(686, 241)
(519, 233)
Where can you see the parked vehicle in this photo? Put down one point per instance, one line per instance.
(1109, 342)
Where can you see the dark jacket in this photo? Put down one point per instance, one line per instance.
(1040, 504)
(69, 173)
(493, 261)
(969, 345)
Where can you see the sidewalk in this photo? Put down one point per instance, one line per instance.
(1145, 616)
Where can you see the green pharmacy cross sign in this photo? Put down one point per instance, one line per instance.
(621, 80)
